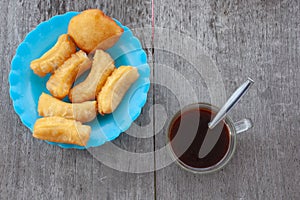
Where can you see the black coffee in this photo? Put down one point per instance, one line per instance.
(187, 134)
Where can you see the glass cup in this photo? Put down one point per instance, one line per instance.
(234, 129)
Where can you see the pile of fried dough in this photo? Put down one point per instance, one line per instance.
(102, 90)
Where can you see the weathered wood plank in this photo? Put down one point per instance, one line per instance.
(257, 39)
(31, 169)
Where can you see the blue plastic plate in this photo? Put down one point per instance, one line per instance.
(26, 87)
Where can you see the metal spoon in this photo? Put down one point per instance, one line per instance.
(231, 102)
(213, 136)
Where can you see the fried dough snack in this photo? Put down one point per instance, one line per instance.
(58, 129)
(55, 57)
(92, 29)
(63, 78)
(102, 67)
(49, 106)
(115, 88)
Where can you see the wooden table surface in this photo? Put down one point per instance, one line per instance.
(259, 39)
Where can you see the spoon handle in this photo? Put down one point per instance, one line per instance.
(232, 101)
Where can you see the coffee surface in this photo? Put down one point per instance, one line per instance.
(187, 133)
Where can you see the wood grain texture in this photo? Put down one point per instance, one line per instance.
(259, 39)
(32, 169)
(255, 38)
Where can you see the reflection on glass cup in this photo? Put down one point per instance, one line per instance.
(197, 148)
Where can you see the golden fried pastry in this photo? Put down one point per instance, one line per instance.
(55, 57)
(49, 106)
(115, 88)
(102, 67)
(63, 78)
(92, 30)
(59, 129)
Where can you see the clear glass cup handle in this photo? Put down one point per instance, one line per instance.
(243, 125)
